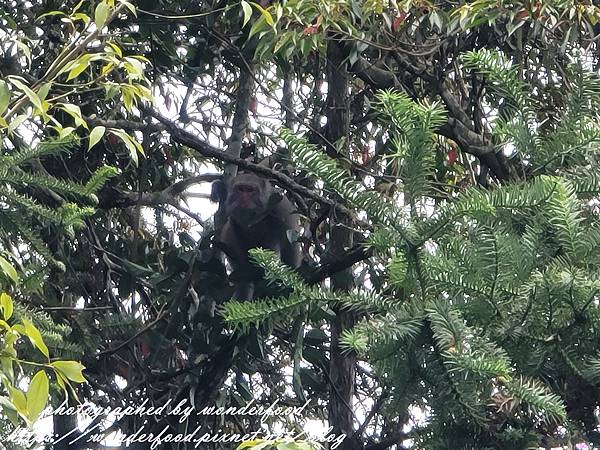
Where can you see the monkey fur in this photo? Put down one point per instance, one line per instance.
(253, 214)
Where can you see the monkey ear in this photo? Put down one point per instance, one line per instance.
(218, 191)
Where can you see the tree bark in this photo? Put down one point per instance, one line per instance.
(342, 365)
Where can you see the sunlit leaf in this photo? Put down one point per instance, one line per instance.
(70, 369)
(101, 14)
(31, 95)
(247, 9)
(95, 136)
(35, 337)
(37, 395)
(4, 96)
(8, 269)
(6, 304)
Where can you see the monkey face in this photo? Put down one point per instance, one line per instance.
(246, 195)
(248, 199)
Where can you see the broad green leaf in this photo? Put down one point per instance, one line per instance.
(6, 304)
(8, 269)
(134, 67)
(80, 65)
(141, 58)
(6, 365)
(132, 145)
(107, 68)
(101, 14)
(247, 12)
(116, 49)
(32, 96)
(4, 96)
(37, 395)
(264, 13)
(258, 26)
(18, 399)
(35, 337)
(44, 90)
(75, 112)
(65, 132)
(294, 446)
(305, 446)
(10, 340)
(14, 124)
(96, 135)
(70, 369)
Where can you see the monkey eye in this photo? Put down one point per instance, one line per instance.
(245, 188)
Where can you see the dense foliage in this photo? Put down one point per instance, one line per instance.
(443, 157)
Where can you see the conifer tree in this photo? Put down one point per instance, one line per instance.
(481, 312)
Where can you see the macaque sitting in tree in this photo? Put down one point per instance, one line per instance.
(254, 215)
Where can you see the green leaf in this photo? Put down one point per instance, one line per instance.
(116, 49)
(35, 337)
(257, 26)
(247, 12)
(6, 365)
(265, 14)
(70, 369)
(101, 14)
(4, 96)
(37, 395)
(95, 136)
(79, 66)
(32, 96)
(132, 145)
(77, 6)
(9, 409)
(8, 269)
(65, 132)
(75, 112)
(14, 124)
(18, 399)
(44, 90)
(6, 304)
(81, 16)
(50, 13)
(129, 6)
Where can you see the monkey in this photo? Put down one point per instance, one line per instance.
(253, 214)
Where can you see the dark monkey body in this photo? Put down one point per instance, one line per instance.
(253, 215)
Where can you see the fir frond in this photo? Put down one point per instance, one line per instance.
(412, 136)
(381, 330)
(275, 270)
(563, 214)
(26, 203)
(49, 147)
(308, 156)
(540, 403)
(510, 94)
(242, 315)
(99, 178)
